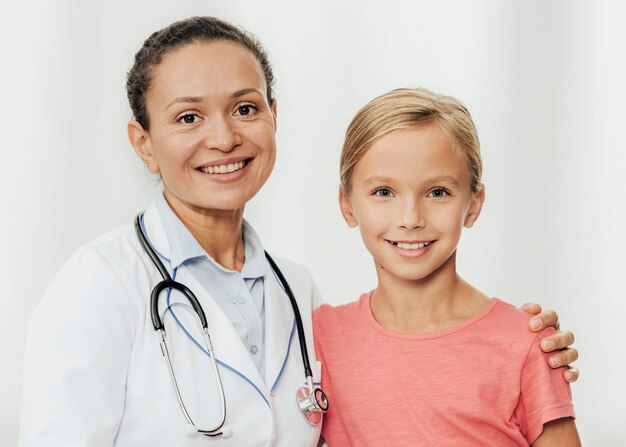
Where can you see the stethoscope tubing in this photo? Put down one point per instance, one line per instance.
(299, 326)
(157, 323)
(309, 402)
(168, 283)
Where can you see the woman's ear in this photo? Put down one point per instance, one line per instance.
(140, 141)
(346, 208)
(275, 114)
(475, 207)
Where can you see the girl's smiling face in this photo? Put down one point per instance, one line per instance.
(212, 129)
(411, 198)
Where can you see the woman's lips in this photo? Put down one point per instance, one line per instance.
(226, 168)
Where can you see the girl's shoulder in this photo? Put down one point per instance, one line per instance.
(341, 315)
(514, 321)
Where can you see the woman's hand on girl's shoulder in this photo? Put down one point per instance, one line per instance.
(560, 342)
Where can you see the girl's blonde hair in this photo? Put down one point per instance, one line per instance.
(405, 108)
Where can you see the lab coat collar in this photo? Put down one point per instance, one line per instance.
(184, 246)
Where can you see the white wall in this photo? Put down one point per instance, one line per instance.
(544, 81)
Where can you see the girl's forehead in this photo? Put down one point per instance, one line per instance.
(416, 153)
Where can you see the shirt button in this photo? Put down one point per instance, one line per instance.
(254, 349)
(241, 299)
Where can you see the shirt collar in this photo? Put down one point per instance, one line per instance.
(184, 245)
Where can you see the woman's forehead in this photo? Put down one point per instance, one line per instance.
(207, 69)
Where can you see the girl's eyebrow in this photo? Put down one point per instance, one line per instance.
(445, 179)
(441, 179)
(377, 179)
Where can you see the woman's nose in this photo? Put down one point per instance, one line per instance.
(222, 134)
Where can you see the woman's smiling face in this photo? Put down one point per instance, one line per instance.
(212, 128)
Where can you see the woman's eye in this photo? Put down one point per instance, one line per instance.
(188, 118)
(438, 193)
(246, 110)
(383, 192)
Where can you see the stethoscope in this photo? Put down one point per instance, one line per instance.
(311, 399)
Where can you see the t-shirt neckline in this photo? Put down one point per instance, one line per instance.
(365, 308)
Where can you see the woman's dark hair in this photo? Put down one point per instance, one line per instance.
(175, 36)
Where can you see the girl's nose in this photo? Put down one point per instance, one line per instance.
(411, 215)
(222, 134)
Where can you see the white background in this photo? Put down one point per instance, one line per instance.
(545, 81)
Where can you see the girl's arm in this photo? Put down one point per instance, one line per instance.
(558, 433)
(559, 343)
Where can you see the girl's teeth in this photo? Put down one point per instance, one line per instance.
(407, 246)
(223, 169)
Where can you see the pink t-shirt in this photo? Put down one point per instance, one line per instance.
(482, 383)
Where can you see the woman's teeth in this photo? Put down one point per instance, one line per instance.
(407, 246)
(223, 169)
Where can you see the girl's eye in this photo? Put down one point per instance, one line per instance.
(188, 118)
(246, 110)
(383, 192)
(438, 193)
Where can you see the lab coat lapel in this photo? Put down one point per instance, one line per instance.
(279, 321)
(227, 344)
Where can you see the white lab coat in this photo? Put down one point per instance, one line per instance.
(95, 376)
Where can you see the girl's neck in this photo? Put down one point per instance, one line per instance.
(220, 233)
(439, 301)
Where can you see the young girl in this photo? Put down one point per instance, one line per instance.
(425, 358)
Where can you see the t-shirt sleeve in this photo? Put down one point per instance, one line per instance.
(317, 332)
(545, 396)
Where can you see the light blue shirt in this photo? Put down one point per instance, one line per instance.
(239, 294)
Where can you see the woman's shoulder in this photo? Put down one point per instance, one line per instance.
(101, 280)
(292, 267)
(297, 275)
(100, 265)
(113, 243)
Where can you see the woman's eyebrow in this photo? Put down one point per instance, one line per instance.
(191, 99)
(245, 91)
(198, 99)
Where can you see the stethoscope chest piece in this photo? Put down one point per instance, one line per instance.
(312, 404)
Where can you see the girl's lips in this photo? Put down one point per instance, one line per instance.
(411, 249)
(411, 245)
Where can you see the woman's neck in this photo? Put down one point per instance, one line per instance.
(439, 301)
(220, 233)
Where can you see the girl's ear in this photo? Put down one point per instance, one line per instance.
(140, 140)
(475, 207)
(346, 208)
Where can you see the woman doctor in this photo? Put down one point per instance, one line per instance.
(204, 121)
